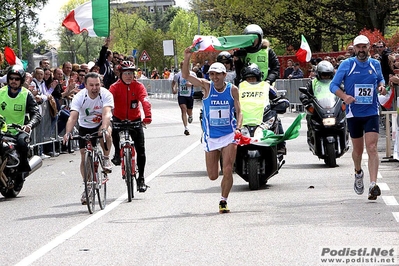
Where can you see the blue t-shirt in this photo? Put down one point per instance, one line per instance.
(361, 81)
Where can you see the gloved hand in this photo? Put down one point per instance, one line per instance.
(147, 120)
(240, 53)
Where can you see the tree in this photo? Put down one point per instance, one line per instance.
(21, 10)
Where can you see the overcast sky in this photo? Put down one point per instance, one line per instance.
(50, 18)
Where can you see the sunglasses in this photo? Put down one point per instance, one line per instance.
(14, 78)
(82, 75)
(380, 46)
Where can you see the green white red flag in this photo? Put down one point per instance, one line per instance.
(92, 17)
(224, 43)
(304, 54)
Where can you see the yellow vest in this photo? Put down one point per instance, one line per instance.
(13, 109)
(253, 99)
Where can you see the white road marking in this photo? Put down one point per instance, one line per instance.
(74, 230)
(383, 186)
(396, 215)
(390, 200)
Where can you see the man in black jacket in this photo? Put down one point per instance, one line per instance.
(260, 54)
(104, 62)
(15, 102)
(267, 61)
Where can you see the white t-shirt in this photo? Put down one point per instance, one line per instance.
(90, 110)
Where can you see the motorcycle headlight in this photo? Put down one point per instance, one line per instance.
(245, 132)
(329, 121)
(258, 133)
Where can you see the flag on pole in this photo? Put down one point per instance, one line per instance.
(304, 54)
(11, 57)
(92, 17)
(224, 43)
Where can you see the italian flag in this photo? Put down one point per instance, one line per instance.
(304, 54)
(92, 17)
(224, 43)
(11, 57)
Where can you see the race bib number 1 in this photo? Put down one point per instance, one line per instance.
(219, 115)
(364, 93)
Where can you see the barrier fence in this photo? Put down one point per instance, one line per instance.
(46, 132)
(162, 89)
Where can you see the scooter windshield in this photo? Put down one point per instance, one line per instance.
(327, 100)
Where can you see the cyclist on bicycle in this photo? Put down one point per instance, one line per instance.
(91, 107)
(128, 93)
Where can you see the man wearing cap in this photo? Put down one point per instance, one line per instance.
(219, 103)
(362, 77)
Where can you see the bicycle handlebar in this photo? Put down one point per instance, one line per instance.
(127, 125)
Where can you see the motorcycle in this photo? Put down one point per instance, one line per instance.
(9, 161)
(256, 163)
(328, 136)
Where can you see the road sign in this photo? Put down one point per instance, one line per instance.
(134, 53)
(144, 57)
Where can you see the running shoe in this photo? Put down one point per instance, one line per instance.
(186, 132)
(358, 185)
(116, 160)
(83, 198)
(141, 186)
(223, 207)
(107, 166)
(190, 119)
(374, 192)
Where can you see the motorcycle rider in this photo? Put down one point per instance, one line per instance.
(267, 61)
(128, 94)
(255, 95)
(319, 86)
(226, 59)
(15, 103)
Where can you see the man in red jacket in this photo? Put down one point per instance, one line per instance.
(128, 93)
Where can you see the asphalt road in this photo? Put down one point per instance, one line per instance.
(176, 222)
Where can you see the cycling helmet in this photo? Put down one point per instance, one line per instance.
(254, 29)
(251, 70)
(324, 68)
(17, 70)
(126, 65)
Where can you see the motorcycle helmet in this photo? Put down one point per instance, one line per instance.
(254, 29)
(324, 68)
(17, 70)
(225, 58)
(251, 70)
(126, 65)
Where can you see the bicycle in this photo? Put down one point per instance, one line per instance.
(128, 154)
(95, 182)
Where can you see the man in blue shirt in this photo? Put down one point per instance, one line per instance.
(362, 77)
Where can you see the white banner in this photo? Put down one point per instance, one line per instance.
(168, 48)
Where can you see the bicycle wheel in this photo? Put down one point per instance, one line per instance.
(101, 188)
(89, 182)
(128, 172)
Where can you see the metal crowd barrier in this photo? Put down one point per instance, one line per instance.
(162, 89)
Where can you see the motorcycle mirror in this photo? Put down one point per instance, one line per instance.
(304, 90)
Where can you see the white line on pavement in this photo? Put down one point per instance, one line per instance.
(74, 230)
(396, 215)
(390, 200)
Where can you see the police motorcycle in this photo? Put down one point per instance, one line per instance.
(257, 163)
(10, 160)
(327, 134)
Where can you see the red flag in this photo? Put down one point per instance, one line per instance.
(11, 57)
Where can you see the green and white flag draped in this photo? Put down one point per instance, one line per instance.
(271, 139)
